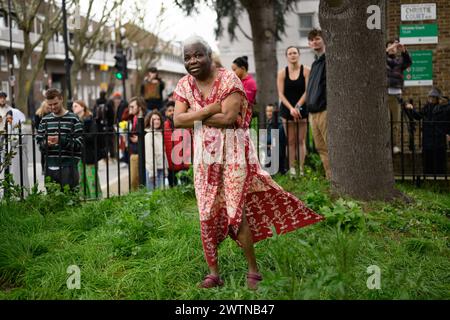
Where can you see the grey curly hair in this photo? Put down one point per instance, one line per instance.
(197, 40)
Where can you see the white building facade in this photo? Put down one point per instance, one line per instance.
(298, 23)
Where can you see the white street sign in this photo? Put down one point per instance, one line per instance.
(419, 12)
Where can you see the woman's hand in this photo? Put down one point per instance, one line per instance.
(295, 114)
(214, 108)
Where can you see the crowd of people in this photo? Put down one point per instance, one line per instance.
(235, 198)
(73, 142)
(109, 129)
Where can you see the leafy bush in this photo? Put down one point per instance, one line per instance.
(54, 200)
(347, 215)
(316, 200)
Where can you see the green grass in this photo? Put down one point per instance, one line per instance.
(145, 246)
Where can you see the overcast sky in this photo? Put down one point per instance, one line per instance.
(176, 25)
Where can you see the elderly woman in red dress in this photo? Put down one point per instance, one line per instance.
(235, 196)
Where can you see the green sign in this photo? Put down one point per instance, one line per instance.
(421, 71)
(418, 33)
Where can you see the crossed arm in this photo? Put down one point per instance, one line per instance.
(215, 115)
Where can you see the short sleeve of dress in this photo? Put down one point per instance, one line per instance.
(231, 84)
(179, 93)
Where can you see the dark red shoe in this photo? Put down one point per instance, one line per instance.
(253, 279)
(211, 281)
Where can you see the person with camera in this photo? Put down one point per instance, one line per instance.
(152, 90)
(291, 84)
(397, 61)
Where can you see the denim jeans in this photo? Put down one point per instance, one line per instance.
(157, 181)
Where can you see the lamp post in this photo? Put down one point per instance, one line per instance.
(12, 79)
(67, 61)
(123, 31)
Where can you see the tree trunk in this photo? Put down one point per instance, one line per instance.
(358, 121)
(263, 24)
(23, 86)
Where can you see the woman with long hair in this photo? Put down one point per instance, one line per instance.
(137, 109)
(155, 160)
(89, 180)
(291, 82)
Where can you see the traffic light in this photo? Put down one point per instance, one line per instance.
(121, 65)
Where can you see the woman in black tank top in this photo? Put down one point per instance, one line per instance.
(291, 83)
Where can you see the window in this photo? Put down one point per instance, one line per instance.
(16, 61)
(5, 87)
(3, 61)
(91, 70)
(39, 24)
(306, 24)
(14, 23)
(3, 19)
(71, 38)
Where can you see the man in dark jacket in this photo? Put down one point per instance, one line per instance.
(104, 117)
(436, 129)
(316, 98)
(397, 61)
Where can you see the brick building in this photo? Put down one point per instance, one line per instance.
(439, 66)
(440, 50)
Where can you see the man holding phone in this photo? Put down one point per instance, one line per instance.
(60, 139)
(397, 61)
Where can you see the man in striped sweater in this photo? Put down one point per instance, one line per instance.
(61, 142)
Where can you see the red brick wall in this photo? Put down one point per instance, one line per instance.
(441, 50)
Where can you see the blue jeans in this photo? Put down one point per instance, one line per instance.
(157, 181)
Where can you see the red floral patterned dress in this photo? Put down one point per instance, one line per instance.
(228, 177)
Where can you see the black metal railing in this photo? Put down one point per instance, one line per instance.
(108, 176)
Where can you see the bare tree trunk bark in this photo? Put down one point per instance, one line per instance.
(358, 122)
(263, 25)
(23, 85)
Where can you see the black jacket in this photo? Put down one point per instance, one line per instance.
(395, 67)
(436, 125)
(104, 115)
(316, 92)
(93, 150)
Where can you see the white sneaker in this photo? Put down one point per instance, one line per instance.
(292, 172)
(396, 150)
